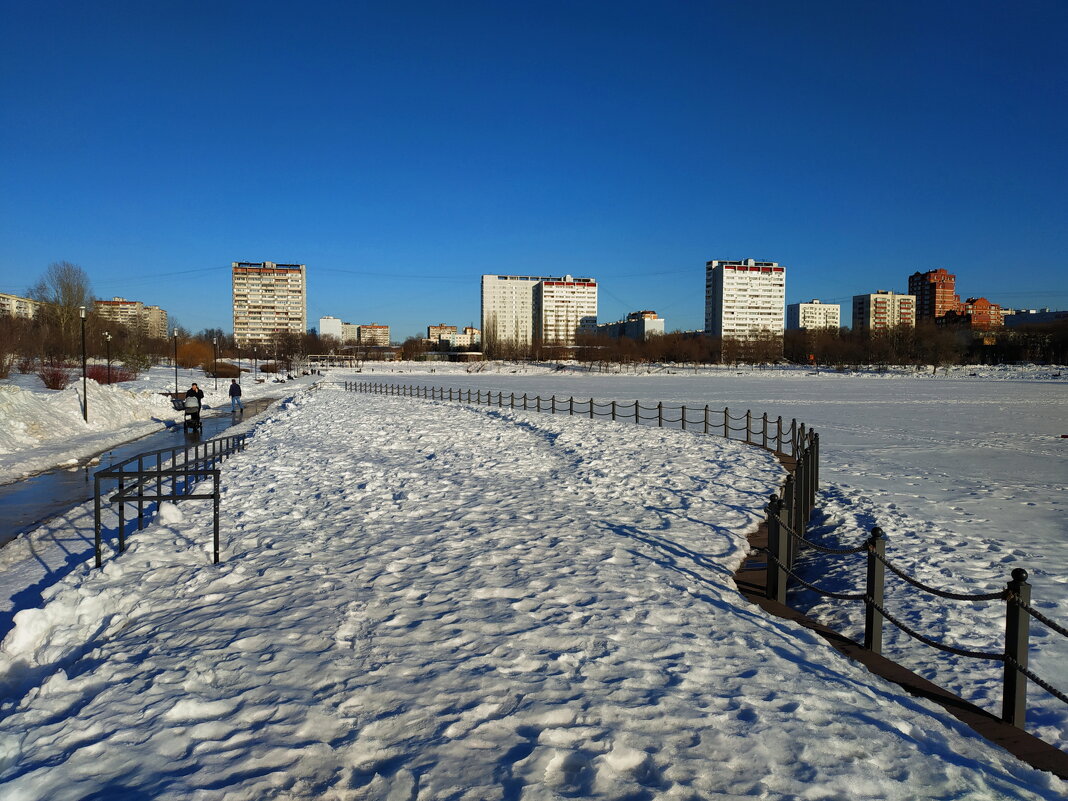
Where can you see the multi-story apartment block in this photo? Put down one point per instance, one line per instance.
(439, 332)
(519, 310)
(373, 335)
(744, 299)
(330, 327)
(883, 310)
(148, 321)
(935, 293)
(978, 314)
(639, 325)
(563, 309)
(813, 316)
(15, 306)
(269, 298)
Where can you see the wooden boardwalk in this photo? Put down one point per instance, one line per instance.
(751, 579)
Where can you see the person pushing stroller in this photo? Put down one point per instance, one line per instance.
(193, 398)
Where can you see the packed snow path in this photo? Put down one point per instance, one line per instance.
(426, 601)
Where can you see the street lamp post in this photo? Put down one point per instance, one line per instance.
(107, 345)
(175, 361)
(255, 363)
(215, 359)
(85, 396)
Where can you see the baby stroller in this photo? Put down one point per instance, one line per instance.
(191, 406)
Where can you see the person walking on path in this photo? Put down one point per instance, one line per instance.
(235, 396)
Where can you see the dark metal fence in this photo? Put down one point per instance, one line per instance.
(788, 515)
(169, 474)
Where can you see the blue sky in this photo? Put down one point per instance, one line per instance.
(402, 149)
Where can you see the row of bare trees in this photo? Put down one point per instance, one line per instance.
(925, 344)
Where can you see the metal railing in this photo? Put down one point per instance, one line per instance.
(145, 477)
(788, 516)
(770, 434)
(784, 542)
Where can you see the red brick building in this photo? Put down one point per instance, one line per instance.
(935, 292)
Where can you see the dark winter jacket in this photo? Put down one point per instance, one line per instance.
(235, 390)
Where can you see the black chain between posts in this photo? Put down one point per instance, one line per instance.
(1001, 595)
(842, 596)
(817, 547)
(1043, 619)
(1036, 679)
(950, 649)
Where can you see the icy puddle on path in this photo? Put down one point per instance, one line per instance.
(426, 601)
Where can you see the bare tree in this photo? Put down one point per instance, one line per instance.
(64, 287)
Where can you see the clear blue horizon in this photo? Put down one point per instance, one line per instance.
(401, 152)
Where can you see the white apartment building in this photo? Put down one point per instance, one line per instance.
(330, 327)
(269, 298)
(16, 306)
(813, 315)
(149, 321)
(519, 310)
(883, 310)
(744, 298)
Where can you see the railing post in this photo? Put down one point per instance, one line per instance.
(552, 407)
(637, 418)
(726, 423)
(815, 466)
(748, 425)
(140, 493)
(537, 399)
(613, 409)
(524, 401)
(1014, 700)
(706, 418)
(764, 430)
(591, 408)
(122, 513)
(787, 513)
(571, 405)
(776, 574)
(778, 435)
(215, 504)
(660, 414)
(793, 437)
(683, 418)
(873, 593)
(96, 517)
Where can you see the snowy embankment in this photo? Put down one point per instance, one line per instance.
(42, 428)
(423, 600)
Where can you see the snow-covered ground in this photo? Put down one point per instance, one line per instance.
(42, 428)
(427, 601)
(965, 470)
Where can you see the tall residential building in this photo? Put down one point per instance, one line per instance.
(883, 310)
(563, 309)
(639, 325)
(813, 315)
(148, 321)
(935, 293)
(330, 327)
(519, 310)
(16, 306)
(375, 335)
(744, 298)
(269, 298)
